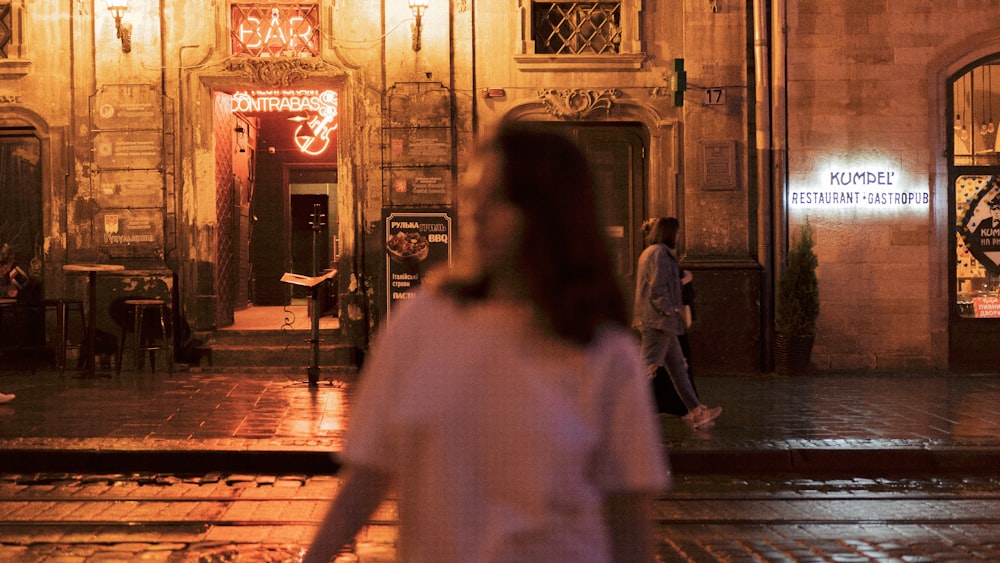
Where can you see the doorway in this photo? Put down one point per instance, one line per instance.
(974, 211)
(315, 222)
(616, 152)
(277, 205)
(21, 235)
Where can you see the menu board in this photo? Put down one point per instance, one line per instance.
(414, 243)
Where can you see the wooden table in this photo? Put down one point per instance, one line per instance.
(89, 349)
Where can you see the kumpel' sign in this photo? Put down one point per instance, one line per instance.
(980, 225)
(865, 188)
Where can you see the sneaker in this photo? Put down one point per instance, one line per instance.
(702, 415)
(4, 398)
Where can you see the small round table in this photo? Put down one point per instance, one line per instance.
(90, 352)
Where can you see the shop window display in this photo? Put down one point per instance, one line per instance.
(977, 269)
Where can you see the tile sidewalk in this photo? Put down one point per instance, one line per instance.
(269, 420)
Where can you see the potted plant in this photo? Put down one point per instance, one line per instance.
(797, 306)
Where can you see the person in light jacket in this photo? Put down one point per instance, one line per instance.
(658, 315)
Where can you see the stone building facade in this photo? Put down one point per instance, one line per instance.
(210, 147)
(878, 95)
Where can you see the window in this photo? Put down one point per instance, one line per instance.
(975, 127)
(601, 35)
(275, 30)
(6, 30)
(12, 52)
(576, 27)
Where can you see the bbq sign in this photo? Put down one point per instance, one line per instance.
(414, 242)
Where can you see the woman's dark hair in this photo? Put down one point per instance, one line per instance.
(564, 253)
(659, 229)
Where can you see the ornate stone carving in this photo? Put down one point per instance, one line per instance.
(279, 73)
(577, 103)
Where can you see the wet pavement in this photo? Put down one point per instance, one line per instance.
(852, 424)
(234, 465)
(47, 518)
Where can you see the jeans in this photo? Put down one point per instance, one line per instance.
(662, 349)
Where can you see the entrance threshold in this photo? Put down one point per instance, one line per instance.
(289, 317)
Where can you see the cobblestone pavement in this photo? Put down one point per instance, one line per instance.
(253, 518)
(235, 466)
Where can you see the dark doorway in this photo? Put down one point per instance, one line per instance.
(616, 153)
(310, 236)
(288, 184)
(20, 214)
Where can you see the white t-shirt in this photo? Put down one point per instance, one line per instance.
(503, 441)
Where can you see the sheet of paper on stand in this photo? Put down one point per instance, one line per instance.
(307, 281)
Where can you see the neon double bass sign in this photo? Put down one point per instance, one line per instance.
(317, 110)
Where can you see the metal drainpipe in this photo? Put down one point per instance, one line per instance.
(765, 191)
(779, 130)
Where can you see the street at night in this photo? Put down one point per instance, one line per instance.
(234, 466)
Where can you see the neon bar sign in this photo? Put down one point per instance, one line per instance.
(267, 30)
(313, 134)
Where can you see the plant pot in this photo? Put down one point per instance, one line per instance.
(792, 353)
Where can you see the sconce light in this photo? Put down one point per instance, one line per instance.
(417, 7)
(124, 29)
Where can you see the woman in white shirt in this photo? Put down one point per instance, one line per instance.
(507, 403)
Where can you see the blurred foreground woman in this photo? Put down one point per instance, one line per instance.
(507, 403)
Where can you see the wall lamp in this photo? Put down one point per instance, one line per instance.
(418, 7)
(124, 29)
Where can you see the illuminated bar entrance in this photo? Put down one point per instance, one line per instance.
(277, 179)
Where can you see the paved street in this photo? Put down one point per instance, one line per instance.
(240, 517)
(235, 466)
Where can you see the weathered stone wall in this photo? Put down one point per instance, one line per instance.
(866, 92)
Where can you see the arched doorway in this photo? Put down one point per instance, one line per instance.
(974, 211)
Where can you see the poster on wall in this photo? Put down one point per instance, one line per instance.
(415, 242)
(980, 225)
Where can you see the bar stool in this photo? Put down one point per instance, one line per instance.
(10, 307)
(139, 309)
(63, 309)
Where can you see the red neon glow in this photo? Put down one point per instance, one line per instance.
(312, 136)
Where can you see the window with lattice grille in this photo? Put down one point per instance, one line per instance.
(6, 29)
(600, 35)
(574, 28)
(275, 29)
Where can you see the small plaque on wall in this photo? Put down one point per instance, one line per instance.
(718, 165)
(131, 233)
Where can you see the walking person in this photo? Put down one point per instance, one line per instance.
(506, 403)
(658, 315)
